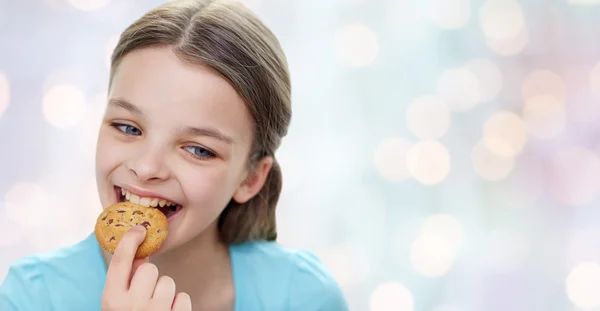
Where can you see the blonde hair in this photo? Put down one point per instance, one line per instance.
(230, 39)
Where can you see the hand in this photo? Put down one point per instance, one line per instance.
(133, 284)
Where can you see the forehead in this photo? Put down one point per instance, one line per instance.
(177, 94)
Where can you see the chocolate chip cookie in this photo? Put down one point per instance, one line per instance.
(117, 219)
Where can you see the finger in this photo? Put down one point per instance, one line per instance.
(119, 269)
(182, 302)
(164, 293)
(144, 282)
(136, 264)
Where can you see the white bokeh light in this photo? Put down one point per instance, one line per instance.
(544, 116)
(509, 47)
(428, 117)
(459, 88)
(489, 76)
(505, 134)
(8, 227)
(544, 82)
(582, 285)
(28, 205)
(357, 45)
(88, 5)
(449, 14)
(391, 296)
(577, 175)
(428, 162)
(489, 165)
(501, 19)
(64, 106)
(390, 158)
(434, 251)
(4, 93)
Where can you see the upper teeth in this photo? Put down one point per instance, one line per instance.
(135, 199)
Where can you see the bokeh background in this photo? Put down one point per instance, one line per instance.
(443, 154)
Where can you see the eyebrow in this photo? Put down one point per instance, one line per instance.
(194, 131)
(209, 132)
(119, 102)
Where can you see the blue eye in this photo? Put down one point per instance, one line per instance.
(199, 152)
(127, 129)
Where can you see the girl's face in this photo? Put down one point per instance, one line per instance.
(176, 137)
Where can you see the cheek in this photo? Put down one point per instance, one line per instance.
(209, 188)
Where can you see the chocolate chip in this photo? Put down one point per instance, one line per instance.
(130, 219)
(110, 221)
(104, 218)
(145, 224)
(138, 213)
(119, 225)
(120, 211)
(159, 231)
(112, 238)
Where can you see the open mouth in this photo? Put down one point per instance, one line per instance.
(166, 207)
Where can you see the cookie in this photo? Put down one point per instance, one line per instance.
(119, 218)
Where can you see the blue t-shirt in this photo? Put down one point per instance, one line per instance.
(266, 275)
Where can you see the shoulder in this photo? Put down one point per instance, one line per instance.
(66, 275)
(300, 279)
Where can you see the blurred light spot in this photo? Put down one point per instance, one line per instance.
(582, 285)
(544, 82)
(504, 134)
(504, 251)
(64, 106)
(28, 205)
(489, 76)
(501, 19)
(584, 2)
(348, 265)
(577, 176)
(428, 118)
(391, 296)
(390, 159)
(489, 165)
(450, 14)
(459, 88)
(428, 162)
(110, 47)
(4, 93)
(88, 5)
(509, 47)
(544, 116)
(357, 45)
(433, 252)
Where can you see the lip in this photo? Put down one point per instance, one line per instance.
(145, 193)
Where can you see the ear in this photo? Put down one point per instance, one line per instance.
(254, 181)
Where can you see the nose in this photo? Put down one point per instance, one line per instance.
(149, 166)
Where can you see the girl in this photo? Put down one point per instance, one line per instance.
(198, 101)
